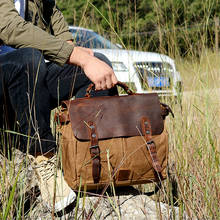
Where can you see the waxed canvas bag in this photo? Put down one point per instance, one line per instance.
(119, 139)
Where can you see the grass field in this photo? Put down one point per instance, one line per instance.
(195, 137)
(194, 141)
(194, 146)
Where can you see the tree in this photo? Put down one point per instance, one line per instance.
(175, 27)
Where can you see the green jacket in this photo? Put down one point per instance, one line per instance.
(44, 28)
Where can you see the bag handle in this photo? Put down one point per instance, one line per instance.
(91, 87)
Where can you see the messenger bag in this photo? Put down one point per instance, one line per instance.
(113, 139)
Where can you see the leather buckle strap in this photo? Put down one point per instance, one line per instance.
(153, 152)
(147, 132)
(94, 152)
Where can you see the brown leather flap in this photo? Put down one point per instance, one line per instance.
(115, 116)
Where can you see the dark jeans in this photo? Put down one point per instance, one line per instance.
(29, 90)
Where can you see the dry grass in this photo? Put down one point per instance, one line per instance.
(194, 144)
(195, 137)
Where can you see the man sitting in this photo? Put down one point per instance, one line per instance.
(30, 87)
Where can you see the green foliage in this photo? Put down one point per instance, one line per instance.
(176, 27)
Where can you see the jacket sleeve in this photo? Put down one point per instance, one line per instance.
(16, 32)
(59, 25)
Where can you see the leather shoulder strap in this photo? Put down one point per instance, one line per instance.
(95, 152)
(147, 132)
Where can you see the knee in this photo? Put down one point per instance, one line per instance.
(103, 58)
(32, 59)
(31, 55)
(25, 57)
(22, 65)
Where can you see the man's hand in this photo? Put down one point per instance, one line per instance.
(83, 48)
(100, 73)
(88, 50)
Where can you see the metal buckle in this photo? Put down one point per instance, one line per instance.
(93, 146)
(94, 151)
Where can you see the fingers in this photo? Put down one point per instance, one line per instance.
(109, 83)
(103, 85)
(98, 86)
(107, 80)
(114, 80)
(100, 73)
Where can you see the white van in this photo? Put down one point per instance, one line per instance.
(144, 72)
